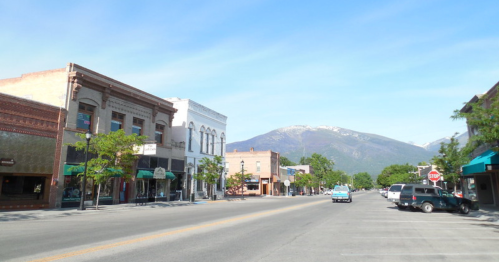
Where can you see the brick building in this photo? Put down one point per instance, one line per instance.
(264, 167)
(101, 104)
(30, 149)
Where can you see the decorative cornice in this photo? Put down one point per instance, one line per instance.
(198, 108)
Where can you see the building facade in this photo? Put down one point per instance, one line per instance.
(481, 175)
(101, 104)
(204, 133)
(264, 167)
(30, 142)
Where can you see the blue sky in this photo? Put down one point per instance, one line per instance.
(392, 68)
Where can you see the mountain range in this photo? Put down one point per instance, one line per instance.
(351, 151)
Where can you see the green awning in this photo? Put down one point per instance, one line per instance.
(150, 175)
(170, 175)
(479, 164)
(73, 172)
(80, 169)
(145, 174)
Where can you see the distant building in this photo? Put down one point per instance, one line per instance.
(203, 131)
(264, 167)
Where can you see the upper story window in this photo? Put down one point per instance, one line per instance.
(189, 137)
(201, 133)
(257, 166)
(117, 121)
(222, 140)
(213, 142)
(85, 116)
(159, 134)
(138, 125)
(207, 141)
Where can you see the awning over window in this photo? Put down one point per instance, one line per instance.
(170, 175)
(73, 172)
(80, 169)
(480, 163)
(150, 175)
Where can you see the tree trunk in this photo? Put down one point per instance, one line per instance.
(98, 195)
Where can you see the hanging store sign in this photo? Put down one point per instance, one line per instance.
(7, 162)
(159, 173)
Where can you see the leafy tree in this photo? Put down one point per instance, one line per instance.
(362, 180)
(450, 160)
(235, 182)
(211, 171)
(484, 119)
(321, 165)
(396, 174)
(332, 178)
(422, 163)
(306, 180)
(286, 162)
(114, 156)
(305, 160)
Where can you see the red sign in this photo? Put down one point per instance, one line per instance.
(434, 176)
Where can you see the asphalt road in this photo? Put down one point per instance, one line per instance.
(265, 229)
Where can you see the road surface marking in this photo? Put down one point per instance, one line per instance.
(140, 239)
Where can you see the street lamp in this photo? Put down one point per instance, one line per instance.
(242, 179)
(88, 136)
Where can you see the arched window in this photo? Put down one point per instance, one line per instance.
(189, 137)
(201, 135)
(208, 133)
(222, 141)
(213, 135)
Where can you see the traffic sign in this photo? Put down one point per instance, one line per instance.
(287, 183)
(434, 176)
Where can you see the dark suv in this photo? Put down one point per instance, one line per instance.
(427, 198)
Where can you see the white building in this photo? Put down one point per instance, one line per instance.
(203, 131)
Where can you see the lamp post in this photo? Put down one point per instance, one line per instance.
(242, 179)
(88, 136)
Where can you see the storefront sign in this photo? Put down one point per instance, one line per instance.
(265, 181)
(159, 173)
(150, 149)
(7, 162)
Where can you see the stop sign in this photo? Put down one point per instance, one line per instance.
(434, 176)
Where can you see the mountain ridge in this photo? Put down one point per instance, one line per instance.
(351, 151)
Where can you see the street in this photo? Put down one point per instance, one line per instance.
(304, 228)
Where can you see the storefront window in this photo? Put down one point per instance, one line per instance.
(72, 187)
(142, 187)
(161, 188)
(106, 189)
(22, 188)
(252, 186)
(470, 191)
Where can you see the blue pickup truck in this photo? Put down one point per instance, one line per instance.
(341, 193)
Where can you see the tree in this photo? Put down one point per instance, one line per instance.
(305, 160)
(211, 171)
(286, 162)
(306, 180)
(396, 174)
(362, 180)
(114, 155)
(321, 165)
(450, 160)
(236, 182)
(484, 120)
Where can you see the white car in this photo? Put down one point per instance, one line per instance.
(327, 192)
(393, 194)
